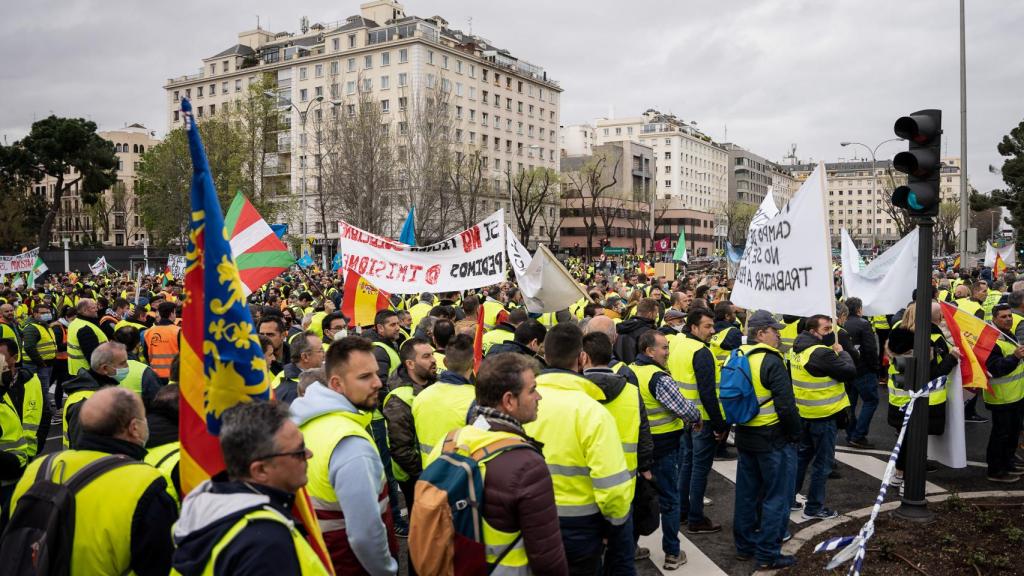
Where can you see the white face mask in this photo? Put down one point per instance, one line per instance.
(340, 334)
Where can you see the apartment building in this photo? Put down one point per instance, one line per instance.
(857, 200)
(577, 139)
(501, 105)
(114, 220)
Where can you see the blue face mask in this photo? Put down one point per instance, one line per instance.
(121, 374)
(46, 318)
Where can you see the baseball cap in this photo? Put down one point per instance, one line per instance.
(672, 314)
(763, 319)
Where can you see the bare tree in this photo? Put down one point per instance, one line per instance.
(552, 218)
(358, 177)
(257, 123)
(737, 216)
(588, 185)
(531, 191)
(427, 157)
(946, 226)
(467, 187)
(898, 215)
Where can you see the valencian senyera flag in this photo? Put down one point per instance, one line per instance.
(222, 363)
(975, 339)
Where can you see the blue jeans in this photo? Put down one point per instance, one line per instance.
(666, 474)
(864, 388)
(817, 445)
(380, 437)
(772, 475)
(697, 453)
(619, 556)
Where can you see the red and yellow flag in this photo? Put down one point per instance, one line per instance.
(975, 339)
(362, 300)
(998, 267)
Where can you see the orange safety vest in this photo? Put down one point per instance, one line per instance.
(63, 336)
(161, 348)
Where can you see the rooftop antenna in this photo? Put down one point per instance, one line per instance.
(470, 20)
(257, 21)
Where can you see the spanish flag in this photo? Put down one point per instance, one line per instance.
(222, 363)
(362, 300)
(998, 267)
(975, 339)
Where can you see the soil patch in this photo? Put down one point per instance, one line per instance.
(968, 537)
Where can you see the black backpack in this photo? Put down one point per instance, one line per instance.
(39, 536)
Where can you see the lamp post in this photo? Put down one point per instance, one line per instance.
(874, 178)
(302, 123)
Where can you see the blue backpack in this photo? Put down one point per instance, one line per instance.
(736, 389)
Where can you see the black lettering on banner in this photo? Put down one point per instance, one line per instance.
(491, 229)
(782, 280)
(486, 266)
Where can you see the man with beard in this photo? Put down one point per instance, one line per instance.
(418, 370)
(346, 477)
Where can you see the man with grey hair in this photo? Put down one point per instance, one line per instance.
(84, 335)
(108, 367)
(129, 512)
(242, 523)
(606, 326)
(307, 353)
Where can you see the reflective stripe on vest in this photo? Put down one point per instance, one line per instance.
(766, 415)
(1009, 388)
(161, 348)
(899, 397)
(787, 336)
(660, 418)
(13, 441)
(76, 360)
(625, 409)
(437, 410)
(32, 414)
(309, 562)
(720, 354)
(681, 352)
(165, 458)
(46, 346)
(816, 396)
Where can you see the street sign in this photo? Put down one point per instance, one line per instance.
(615, 250)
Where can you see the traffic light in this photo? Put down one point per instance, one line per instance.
(903, 376)
(921, 162)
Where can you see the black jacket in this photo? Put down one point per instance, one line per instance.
(155, 513)
(825, 362)
(262, 548)
(516, 347)
(288, 389)
(733, 338)
(999, 365)
(402, 439)
(865, 342)
(629, 333)
(612, 385)
(775, 377)
(383, 362)
(84, 380)
(87, 340)
(707, 386)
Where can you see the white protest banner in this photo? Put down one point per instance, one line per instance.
(546, 285)
(470, 259)
(787, 262)
(19, 262)
(99, 266)
(766, 211)
(176, 264)
(950, 448)
(1008, 252)
(882, 293)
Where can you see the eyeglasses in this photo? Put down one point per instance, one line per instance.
(302, 453)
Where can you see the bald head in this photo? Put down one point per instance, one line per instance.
(602, 324)
(115, 412)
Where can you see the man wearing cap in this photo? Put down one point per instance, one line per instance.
(675, 323)
(766, 469)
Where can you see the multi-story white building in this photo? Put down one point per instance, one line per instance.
(502, 106)
(577, 139)
(114, 219)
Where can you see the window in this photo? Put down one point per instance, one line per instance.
(385, 58)
(403, 128)
(403, 55)
(472, 115)
(430, 56)
(485, 118)
(351, 64)
(444, 61)
(351, 109)
(318, 91)
(302, 73)
(458, 135)
(238, 85)
(176, 96)
(303, 95)
(334, 67)
(472, 93)
(213, 109)
(668, 169)
(403, 103)
(367, 84)
(188, 92)
(335, 44)
(431, 81)
(472, 70)
(458, 88)
(446, 85)
(334, 91)
(176, 118)
(213, 68)
(668, 183)
(351, 40)
(618, 131)
(458, 66)
(385, 82)
(318, 71)
(385, 106)
(403, 79)
(199, 92)
(368, 61)
(668, 155)
(350, 87)
(199, 110)
(458, 112)
(508, 103)
(519, 107)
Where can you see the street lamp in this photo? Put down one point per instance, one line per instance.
(874, 178)
(302, 123)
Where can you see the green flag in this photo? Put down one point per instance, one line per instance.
(680, 255)
(38, 269)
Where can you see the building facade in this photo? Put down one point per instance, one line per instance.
(114, 220)
(577, 140)
(504, 107)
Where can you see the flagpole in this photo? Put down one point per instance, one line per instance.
(313, 284)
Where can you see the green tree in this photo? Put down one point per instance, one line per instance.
(69, 151)
(165, 178)
(24, 207)
(1011, 197)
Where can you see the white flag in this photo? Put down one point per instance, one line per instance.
(1008, 252)
(787, 262)
(546, 285)
(766, 211)
(881, 292)
(100, 266)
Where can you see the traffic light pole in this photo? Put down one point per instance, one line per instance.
(914, 506)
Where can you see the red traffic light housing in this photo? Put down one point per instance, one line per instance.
(921, 162)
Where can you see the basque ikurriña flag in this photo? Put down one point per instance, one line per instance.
(222, 363)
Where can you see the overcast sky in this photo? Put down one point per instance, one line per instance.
(776, 73)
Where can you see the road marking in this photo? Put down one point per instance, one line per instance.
(875, 467)
(697, 562)
(885, 455)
